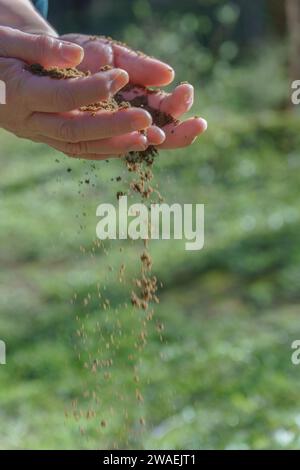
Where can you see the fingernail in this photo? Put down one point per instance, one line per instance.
(71, 52)
(139, 147)
(141, 120)
(119, 80)
(205, 124)
(160, 136)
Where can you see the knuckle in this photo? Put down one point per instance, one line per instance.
(44, 44)
(67, 132)
(116, 126)
(83, 148)
(104, 86)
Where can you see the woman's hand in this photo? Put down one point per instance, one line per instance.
(145, 71)
(46, 110)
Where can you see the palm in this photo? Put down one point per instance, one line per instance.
(146, 71)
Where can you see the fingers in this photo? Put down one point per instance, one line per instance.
(183, 134)
(101, 149)
(96, 53)
(143, 70)
(134, 142)
(177, 103)
(32, 48)
(78, 126)
(155, 135)
(44, 94)
(179, 136)
(96, 56)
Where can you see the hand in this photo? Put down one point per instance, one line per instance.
(46, 110)
(145, 71)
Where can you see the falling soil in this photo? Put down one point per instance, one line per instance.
(139, 166)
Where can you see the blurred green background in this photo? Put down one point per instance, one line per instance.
(216, 370)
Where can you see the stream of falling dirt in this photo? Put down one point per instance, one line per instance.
(98, 349)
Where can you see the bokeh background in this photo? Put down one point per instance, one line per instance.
(215, 371)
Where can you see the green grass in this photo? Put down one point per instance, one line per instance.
(221, 374)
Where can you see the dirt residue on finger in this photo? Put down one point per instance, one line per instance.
(141, 100)
(56, 72)
(68, 73)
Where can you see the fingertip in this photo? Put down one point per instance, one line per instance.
(171, 75)
(141, 119)
(138, 138)
(155, 135)
(123, 75)
(166, 74)
(199, 126)
(185, 133)
(202, 124)
(119, 78)
(143, 142)
(196, 125)
(79, 53)
(186, 89)
(71, 53)
(185, 93)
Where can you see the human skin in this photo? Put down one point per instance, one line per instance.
(48, 110)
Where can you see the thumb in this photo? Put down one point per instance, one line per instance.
(45, 50)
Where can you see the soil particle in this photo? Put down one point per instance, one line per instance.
(55, 72)
(120, 194)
